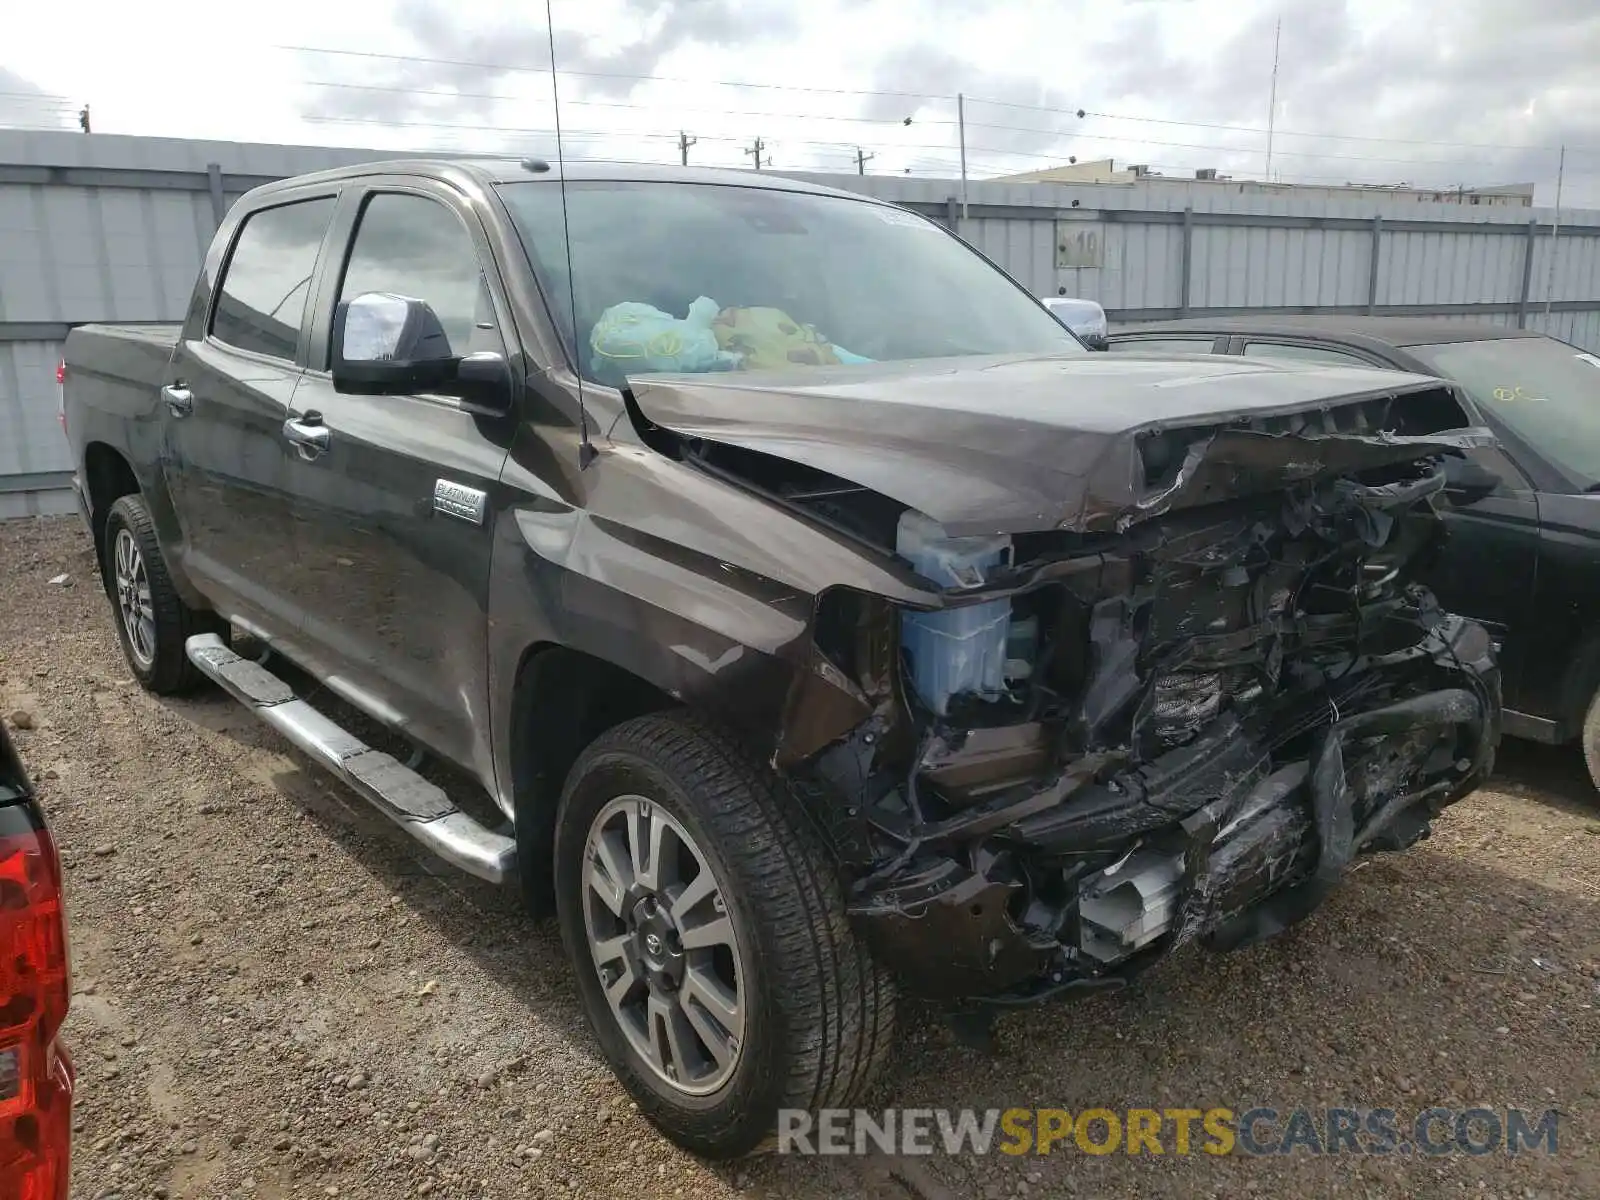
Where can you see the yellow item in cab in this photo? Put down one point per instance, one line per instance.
(770, 337)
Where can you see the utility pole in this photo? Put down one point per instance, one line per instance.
(83, 119)
(1555, 229)
(961, 130)
(684, 142)
(755, 152)
(862, 160)
(1272, 100)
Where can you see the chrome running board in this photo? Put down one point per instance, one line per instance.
(420, 808)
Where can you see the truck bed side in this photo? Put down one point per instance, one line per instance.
(111, 402)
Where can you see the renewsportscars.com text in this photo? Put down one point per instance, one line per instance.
(1174, 1131)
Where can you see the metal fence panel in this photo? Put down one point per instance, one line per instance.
(33, 453)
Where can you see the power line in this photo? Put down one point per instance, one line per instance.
(1060, 135)
(1261, 129)
(384, 122)
(1135, 140)
(1335, 137)
(840, 147)
(37, 96)
(421, 93)
(1056, 133)
(642, 135)
(608, 133)
(934, 96)
(509, 67)
(919, 163)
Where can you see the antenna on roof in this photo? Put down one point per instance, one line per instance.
(586, 450)
(1272, 101)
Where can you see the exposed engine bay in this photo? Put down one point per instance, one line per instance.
(1197, 729)
(1177, 714)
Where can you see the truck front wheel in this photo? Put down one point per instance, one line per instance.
(707, 931)
(152, 620)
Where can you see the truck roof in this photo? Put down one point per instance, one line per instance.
(481, 171)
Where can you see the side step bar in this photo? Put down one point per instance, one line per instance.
(417, 806)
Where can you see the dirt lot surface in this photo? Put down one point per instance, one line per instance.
(276, 995)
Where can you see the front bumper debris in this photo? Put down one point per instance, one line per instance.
(1225, 708)
(1233, 843)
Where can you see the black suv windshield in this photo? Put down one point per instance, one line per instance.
(710, 277)
(1544, 391)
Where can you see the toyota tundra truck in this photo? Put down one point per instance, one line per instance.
(821, 621)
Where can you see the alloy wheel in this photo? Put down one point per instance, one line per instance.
(664, 945)
(134, 605)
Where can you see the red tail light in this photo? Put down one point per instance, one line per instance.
(61, 371)
(36, 1076)
(61, 382)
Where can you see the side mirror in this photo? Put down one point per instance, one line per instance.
(1086, 318)
(1469, 480)
(385, 345)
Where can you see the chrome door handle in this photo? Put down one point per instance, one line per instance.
(310, 437)
(180, 400)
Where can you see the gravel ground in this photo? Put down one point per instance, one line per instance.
(277, 996)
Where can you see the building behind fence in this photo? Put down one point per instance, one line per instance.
(106, 228)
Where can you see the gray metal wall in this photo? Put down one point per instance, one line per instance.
(97, 228)
(102, 228)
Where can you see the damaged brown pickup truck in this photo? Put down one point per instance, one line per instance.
(1211, 684)
(928, 654)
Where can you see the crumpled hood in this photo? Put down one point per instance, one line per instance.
(1014, 444)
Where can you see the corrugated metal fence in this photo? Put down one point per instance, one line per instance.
(102, 228)
(105, 228)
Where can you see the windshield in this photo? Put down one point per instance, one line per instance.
(1544, 391)
(709, 277)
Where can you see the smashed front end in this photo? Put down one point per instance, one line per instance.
(1200, 714)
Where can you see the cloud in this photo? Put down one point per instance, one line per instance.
(1473, 78)
(1434, 92)
(1446, 93)
(505, 56)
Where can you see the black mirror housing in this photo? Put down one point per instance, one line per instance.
(388, 345)
(385, 344)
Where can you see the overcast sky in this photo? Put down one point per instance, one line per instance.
(1433, 92)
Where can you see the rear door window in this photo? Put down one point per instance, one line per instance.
(262, 298)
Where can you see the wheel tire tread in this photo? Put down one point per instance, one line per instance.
(171, 673)
(846, 1003)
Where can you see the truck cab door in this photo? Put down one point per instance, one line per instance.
(394, 504)
(228, 391)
